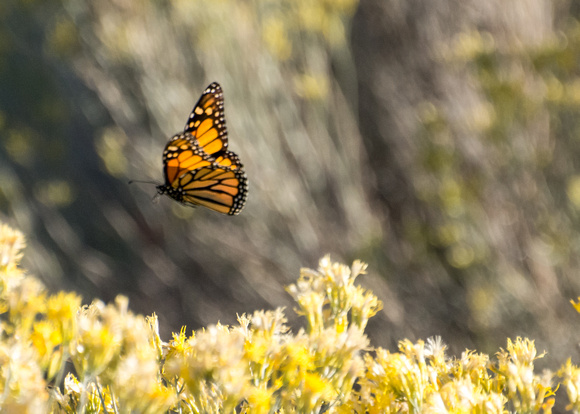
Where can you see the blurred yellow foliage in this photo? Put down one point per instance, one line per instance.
(573, 191)
(63, 39)
(110, 145)
(56, 193)
(19, 145)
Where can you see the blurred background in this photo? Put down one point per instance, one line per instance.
(437, 140)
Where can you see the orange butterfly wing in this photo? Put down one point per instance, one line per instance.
(207, 124)
(219, 188)
(206, 127)
(180, 156)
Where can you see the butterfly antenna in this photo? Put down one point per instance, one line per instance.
(143, 182)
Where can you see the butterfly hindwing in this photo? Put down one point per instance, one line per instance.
(206, 122)
(219, 188)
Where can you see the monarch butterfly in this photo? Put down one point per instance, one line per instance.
(198, 168)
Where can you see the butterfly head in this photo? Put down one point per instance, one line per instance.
(166, 189)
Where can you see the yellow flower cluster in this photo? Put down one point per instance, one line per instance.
(58, 356)
(300, 21)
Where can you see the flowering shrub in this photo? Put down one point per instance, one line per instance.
(58, 356)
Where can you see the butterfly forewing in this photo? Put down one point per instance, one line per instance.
(229, 159)
(206, 122)
(181, 155)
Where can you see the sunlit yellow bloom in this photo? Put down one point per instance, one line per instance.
(260, 399)
(260, 366)
(11, 245)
